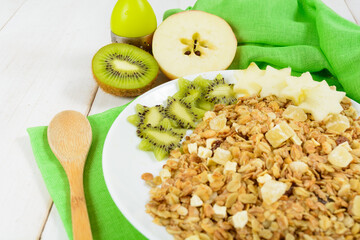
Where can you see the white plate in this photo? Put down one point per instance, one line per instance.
(123, 163)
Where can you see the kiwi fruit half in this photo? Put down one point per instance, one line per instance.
(124, 70)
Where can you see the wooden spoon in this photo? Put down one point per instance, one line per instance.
(69, 135)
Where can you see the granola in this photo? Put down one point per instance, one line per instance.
(259, 169)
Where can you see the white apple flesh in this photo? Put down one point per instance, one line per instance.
(193, 41)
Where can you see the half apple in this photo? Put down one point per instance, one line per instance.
(193, 41)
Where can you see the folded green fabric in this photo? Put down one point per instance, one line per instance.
(106, 220)
(303, 34)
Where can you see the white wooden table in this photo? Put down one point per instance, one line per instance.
(46, 49)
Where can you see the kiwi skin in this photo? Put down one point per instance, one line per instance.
(124, 92)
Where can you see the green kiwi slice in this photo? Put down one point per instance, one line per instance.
(159, 140)
(151, 115)
(124, 70)
(147, 115)
(191, 92)
(219, 92)
(181, 112)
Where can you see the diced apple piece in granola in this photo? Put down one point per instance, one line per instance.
(294, 113)
(219, 211)
(218, 123)
(196, 201)
(321, 101)
(279, 134)
(340, 156)
(264, 178)
(164, 174)
(338, 123)
(230, 167)
(272, 190)
(192, 147)
(204, 152)
(246, 80)
(296, 139)
(296, 86)
(299, 167)
(240, 219)
(221, 156)
(356, 206)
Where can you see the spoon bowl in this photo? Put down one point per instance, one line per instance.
(69, 136)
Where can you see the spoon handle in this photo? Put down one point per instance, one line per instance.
(79, 215)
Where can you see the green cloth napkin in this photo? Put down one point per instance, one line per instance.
(106, 220)
(303, 34)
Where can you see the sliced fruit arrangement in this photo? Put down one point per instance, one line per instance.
(163, 127)
(193, 41)
(124, 70)
(317, 98)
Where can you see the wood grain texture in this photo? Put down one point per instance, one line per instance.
(46, 51)
(70, 135)
(354, 7)
(340, 7)
(8, 10)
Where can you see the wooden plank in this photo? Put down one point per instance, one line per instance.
(54, 229)
(340, 7)
(354, 7)
(46, 51)
(8, 10)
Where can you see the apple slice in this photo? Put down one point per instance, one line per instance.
(246, 83)
(296, 87)
(322, 100)
(193, 41)
(273, 81)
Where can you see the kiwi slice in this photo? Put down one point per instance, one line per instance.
(219, 92)
(192, 93)
(124, 70)
(207, 106)
(201, 82)
(155, 116)
(134, 119)
(151, 115)
(181, 112)
(147, 115)
(189, 91)
(159, 140)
